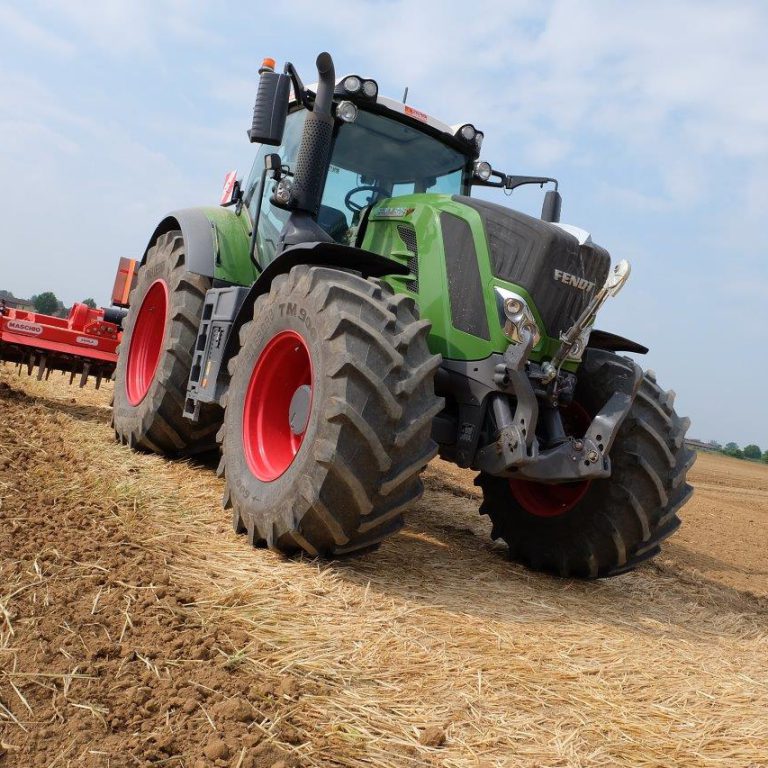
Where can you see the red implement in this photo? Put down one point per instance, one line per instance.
(85, 342)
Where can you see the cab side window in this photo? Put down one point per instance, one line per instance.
(271, 219)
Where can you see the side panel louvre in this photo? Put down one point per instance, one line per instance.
(408, 235)
(465, 288)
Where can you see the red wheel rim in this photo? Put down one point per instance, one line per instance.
(146, 342)
(270, 443)
(553, 500)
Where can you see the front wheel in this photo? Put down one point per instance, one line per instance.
(601, 527)
(327, 421)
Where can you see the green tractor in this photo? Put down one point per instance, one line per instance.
(351, 311)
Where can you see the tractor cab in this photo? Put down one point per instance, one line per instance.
(381, 149)
(375, 149)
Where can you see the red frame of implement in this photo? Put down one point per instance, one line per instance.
(84, 341)
(84, 333)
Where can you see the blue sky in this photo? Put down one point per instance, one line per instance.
(653, 115)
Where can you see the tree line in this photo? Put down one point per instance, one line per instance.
(47, 303)
(750, 451)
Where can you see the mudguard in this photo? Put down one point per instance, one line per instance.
(365, 262)
(612, 342)
(216, 243)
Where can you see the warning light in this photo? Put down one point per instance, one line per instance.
(268, 64)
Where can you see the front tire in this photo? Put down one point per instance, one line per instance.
(155, 357)
(327, 421)
(616, 523)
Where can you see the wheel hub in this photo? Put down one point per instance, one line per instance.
(298, 413)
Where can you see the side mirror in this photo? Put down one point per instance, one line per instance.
(550, 210)
(271, 107)
(273, 165)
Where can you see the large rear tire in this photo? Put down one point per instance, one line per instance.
(155, 357)
(328, 415)
(609, 526)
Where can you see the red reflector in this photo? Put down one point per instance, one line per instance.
(229, 186)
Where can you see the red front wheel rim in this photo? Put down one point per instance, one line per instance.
(553, 500)
(543, 500)
(146, 342)
(272, 431)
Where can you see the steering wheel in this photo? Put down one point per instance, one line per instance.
(357, 207)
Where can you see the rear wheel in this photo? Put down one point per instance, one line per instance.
(609, 526)
(328, 416)
(155, 357)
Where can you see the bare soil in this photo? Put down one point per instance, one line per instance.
(137, 629)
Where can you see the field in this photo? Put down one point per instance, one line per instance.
(137, 629)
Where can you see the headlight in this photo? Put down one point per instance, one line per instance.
(352, 84)
(516, 316)
(482, 170)
(347, 112)
(479, 136)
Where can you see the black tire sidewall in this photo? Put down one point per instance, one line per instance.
(621, 519)
(278, 314)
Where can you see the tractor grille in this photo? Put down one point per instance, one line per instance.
(529, 252)
(408, 236)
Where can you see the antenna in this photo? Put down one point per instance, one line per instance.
(405, 95)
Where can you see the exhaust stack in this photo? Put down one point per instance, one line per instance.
(315, 149)
(312, 164)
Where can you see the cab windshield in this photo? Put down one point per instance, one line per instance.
(374, 157)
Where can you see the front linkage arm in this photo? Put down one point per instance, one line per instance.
(515, 452)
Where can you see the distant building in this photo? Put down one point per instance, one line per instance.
(700, 445)
(15, 303)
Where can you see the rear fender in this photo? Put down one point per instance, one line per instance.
(216, 243)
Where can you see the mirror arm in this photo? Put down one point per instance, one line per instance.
(480, 183)
(512, 182)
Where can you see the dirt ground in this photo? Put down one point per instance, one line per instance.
(136, 629)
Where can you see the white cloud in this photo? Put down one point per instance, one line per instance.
(668, 83)
(23, 29)
(124, 27)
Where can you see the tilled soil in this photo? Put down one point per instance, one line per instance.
(137, 629)
(104, 660)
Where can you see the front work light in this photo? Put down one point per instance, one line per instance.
(352, 84)
(370, 89)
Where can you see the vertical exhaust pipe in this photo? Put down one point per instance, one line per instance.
(326, 83)
(315, 150)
